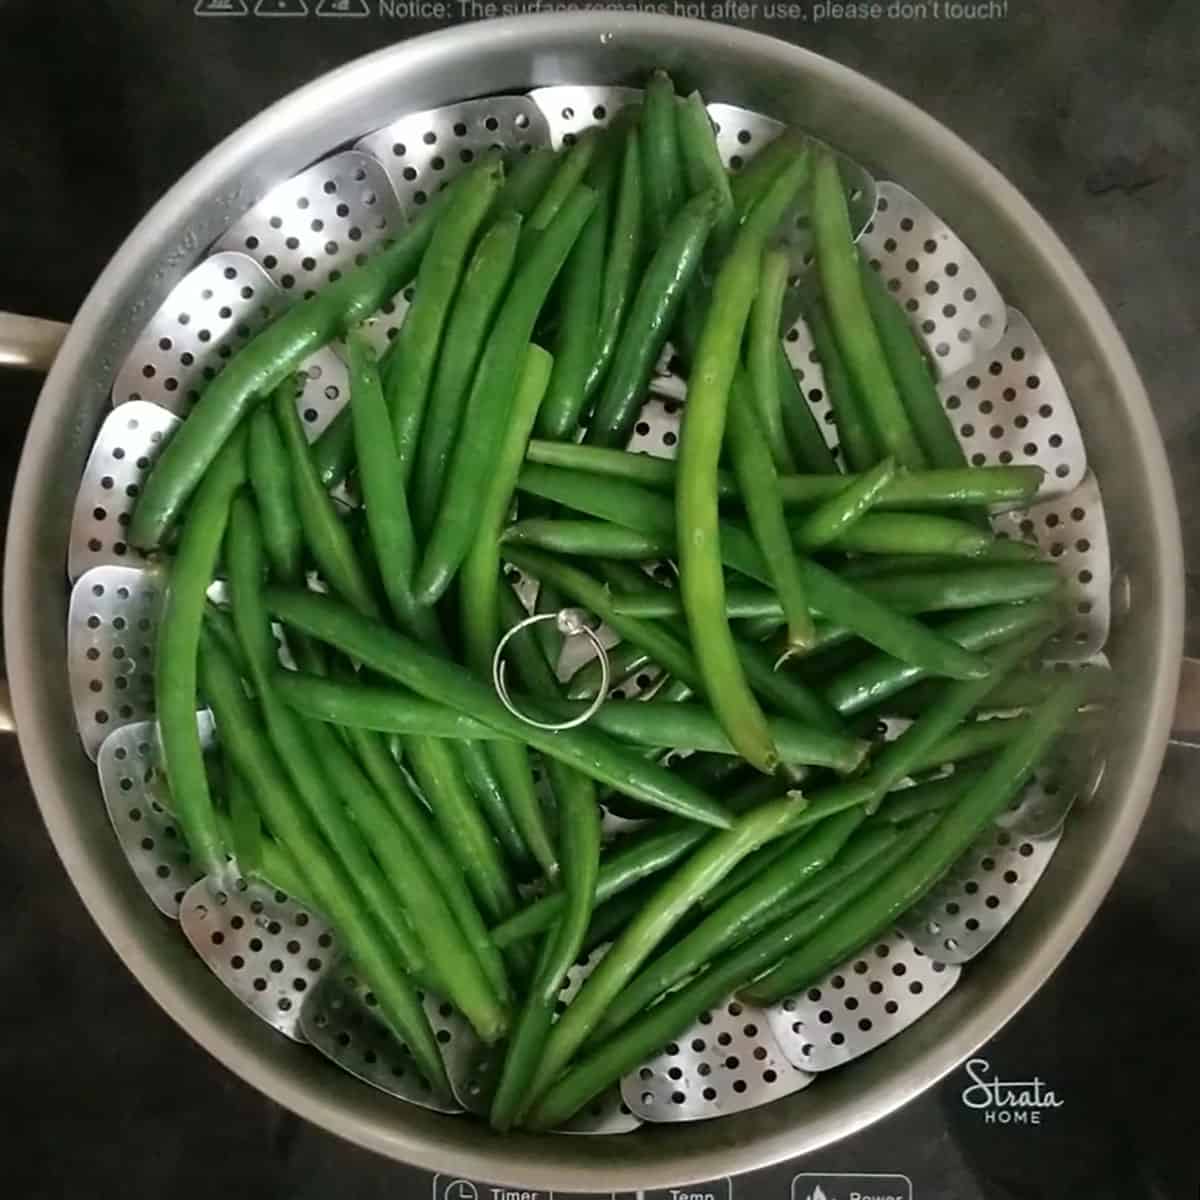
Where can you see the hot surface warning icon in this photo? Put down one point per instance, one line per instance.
(221, 8)
(281, 8)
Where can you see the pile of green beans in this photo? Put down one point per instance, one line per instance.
(451, 829)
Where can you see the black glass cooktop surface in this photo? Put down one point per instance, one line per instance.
(1091, 1091)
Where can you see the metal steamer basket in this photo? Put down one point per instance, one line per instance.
(1032, 370)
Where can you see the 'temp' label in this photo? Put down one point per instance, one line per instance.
(851, 1187)
(713, 1189)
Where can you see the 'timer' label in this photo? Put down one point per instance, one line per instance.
(450, 1187)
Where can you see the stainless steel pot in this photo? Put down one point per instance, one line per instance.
(878, 128)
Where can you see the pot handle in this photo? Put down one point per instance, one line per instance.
(1185, 730)
(29, 343)
(26, 343)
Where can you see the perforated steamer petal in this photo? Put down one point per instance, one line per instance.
(847, 111)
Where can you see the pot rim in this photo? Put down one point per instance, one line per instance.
(419, 1138)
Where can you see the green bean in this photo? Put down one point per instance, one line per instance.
(327, 538)
(1010, 550)
(220, 625)
(831, 804)
(644, 855)
(896, 634)
(906, 804)
(917, 592)
(713, 772)
(671, 1017)
(762, 356)
(881, 676)
(625, 660)
(912, 533)
(1021, 690)
(920, 871)
(965, 587)
(837, 264)
(382, 481)
(911, 373)
(480, 598)
(855, 436)
(270, 478)
(830, 521)
(526, 183)
(784, 691)
(244, 740)
(609, 919)
(546, 633)
(828, 595)
(392, 785)
(638, 581)
(490, 402)
(439, 773)
(622, 868)
(942, 720)
(375, 706)
(667, 650)
(416, 346)
(266, 361)
(921, 535)
(759, 173)
(674, 725)
(701, 578)
(409, 663)
(451, 956)
(580, 854)
(880, 566)
(479, 581)
(573, 164)
(972, 740)
(801, 873)
(739, 904)
(492, 781)
(620, 268)
(967, 488)
(929, 592)
(589, 538)
(178, 642)
(483, 286)
(740, 601)
(246, 836)
(533, 667)
(662, 162)
(672, 901)
(576, 798)
(754, 469)
(621, 575)
(655, 305)
(703, 167)
(579, 316)
(662, 645)
(277, 867)
(333, 449)
(294, 741)
(921, 745)
(804, 437)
